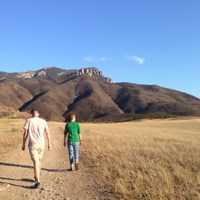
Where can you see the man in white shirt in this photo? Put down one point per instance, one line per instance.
(35, 128)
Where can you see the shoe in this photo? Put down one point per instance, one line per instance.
(37, 185)
(76, 166)
(72, 167)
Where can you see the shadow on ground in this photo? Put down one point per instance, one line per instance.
(29, 167)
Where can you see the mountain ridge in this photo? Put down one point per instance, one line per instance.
(56, 74)
(57, 92)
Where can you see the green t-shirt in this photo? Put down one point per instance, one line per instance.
(72, 129)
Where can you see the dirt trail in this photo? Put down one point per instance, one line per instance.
(16, 175)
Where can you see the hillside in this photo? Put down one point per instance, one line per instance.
(57, 92)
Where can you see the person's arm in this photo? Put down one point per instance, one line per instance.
(80, 140)
(25, 136)
(48, 139)
(79, 134)
(64, 142)
(65, 136)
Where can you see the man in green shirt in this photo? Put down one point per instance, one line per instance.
(73, 136)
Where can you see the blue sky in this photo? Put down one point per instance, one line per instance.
(139, 41)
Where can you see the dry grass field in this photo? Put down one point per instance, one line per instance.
(10, 133)
(148, 159)
(158, 159)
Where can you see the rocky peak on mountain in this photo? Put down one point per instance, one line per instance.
(31, 74)
(93, 72)
(56, 74)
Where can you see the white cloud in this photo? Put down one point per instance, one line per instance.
(88, 59)
(95, 59)
(103, 59)
(138, 60)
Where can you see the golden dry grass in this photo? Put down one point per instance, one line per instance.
(10, 133)
(158, 159)
(150, 159)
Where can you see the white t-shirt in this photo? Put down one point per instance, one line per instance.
(36, 127)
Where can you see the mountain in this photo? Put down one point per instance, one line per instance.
(57, 92)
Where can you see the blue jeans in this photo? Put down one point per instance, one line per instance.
(73, 148)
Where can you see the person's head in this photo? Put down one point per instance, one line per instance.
(72, 117)
(34, 113)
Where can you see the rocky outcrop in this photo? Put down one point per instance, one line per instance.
(108, 80)
(26, 74)
(90, 71)
(93, 72)
(31, 74)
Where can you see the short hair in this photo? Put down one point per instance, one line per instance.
(71, 117)
(33, 111)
